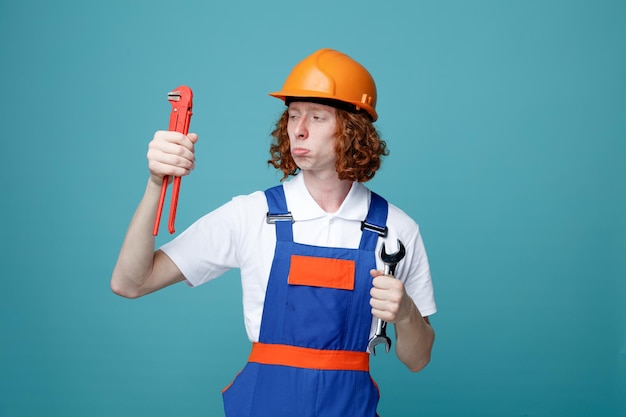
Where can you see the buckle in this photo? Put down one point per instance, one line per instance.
(382, 231)
(273, 218)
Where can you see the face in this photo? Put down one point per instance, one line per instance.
(311, 128)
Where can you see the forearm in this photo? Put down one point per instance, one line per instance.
(414, 340)
(136, 258)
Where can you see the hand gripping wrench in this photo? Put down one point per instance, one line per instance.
(391, 261)
(182, 102)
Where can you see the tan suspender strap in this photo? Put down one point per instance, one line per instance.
(300, 357)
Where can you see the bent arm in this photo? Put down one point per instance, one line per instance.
(414, 340)
(139, 269)
(414, 334)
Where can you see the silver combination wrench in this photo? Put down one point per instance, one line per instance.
(391, 261)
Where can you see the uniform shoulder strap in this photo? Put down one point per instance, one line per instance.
(375, 224)
(278, 213)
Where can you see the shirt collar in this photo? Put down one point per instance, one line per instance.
(303, 206)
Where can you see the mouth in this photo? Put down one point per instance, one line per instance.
(299, 152)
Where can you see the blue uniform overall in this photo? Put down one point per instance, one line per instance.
(311, 358)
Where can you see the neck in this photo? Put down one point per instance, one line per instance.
(328, 192)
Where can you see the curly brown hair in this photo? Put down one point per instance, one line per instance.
(359, 147)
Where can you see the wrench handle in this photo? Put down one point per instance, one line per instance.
(180, 117)
(390, 269)
(157, 220)
(174, 204)
(381, 327)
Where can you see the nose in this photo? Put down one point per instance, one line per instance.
(301, 130)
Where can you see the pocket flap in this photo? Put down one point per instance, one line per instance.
(322, 272)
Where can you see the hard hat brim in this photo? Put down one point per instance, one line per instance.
(283, 94)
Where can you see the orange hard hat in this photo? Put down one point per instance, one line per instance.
(331, 75)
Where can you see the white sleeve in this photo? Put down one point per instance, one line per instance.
(207, 248)
(414, 269)
(418, 283)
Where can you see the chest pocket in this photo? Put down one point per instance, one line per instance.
(319, 300)
(322, 272)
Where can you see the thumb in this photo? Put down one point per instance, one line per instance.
(375, 273)
(193, 137)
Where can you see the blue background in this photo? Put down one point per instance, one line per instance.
(506, 122)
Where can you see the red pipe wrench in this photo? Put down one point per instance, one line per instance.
(182, 103)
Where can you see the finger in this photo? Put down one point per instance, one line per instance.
(166, 136)
(375, 273)
(171, 159)
(169, 145)
(385, 282)
(392, 294)
(168, 158)
(383, 314)
(193, 137)
(384, 299)
(177, 150)
(160, 169)
(385, 308)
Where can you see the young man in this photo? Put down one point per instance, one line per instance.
(308, 251)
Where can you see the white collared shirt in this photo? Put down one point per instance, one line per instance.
(236, 235)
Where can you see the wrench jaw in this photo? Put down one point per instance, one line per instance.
(391, 260)
(379, 337)
(174, 96)
(181, 93)
(181, 99)
(377, 340)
